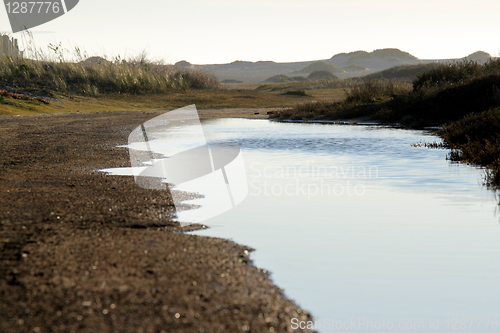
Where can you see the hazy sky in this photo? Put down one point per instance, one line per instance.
(220, 31)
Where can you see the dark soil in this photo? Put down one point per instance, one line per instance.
(85, 252)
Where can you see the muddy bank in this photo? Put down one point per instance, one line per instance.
(86, 252)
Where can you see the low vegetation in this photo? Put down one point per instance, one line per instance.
(361, 100)
(295, 93)
(460, 73)
(476, 139)
(91, 78)
(375, 91)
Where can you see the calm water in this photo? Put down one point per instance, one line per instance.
(363, 230)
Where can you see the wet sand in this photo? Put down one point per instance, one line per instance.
(86, 252)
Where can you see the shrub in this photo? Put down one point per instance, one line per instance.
(374, 91)
(454, 73)
(295, 93)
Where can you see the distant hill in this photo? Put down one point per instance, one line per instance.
(378, 59)
(343, 65)
(279, 78)
(354, 68)
(321, 75)
(320, 66)
(183, 64)
(479, 56)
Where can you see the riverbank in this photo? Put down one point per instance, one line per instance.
(87, 252)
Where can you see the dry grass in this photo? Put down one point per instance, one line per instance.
(376, 91)
(92, 78)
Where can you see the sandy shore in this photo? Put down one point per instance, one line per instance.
(86, 252)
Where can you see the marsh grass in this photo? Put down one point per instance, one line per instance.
(376, 91)
(476, 139)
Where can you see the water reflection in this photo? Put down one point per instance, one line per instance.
(362, 228)
(411, 241)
